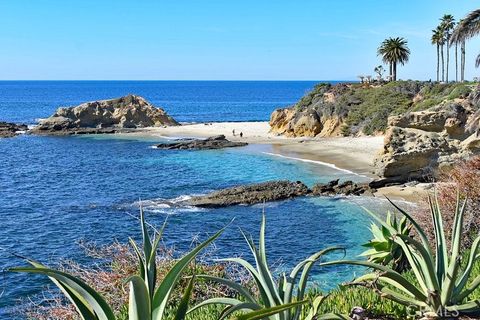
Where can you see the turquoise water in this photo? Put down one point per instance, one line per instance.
(58, 190)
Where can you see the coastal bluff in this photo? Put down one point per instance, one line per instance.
(427, 126)
(105, 116)
(418, 144)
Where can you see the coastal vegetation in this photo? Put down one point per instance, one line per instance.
(437, 283)
(360, 109)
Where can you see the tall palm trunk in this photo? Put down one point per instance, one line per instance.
(438, 62)
(394, 71)
(462, 61)
(456, 62)
(448, 61)
(391, 72)
(443, 64)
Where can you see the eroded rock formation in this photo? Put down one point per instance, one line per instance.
(417, 144)
(105, 116)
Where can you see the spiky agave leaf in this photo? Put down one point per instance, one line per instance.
(274, 295)
(443, 284)
(382, 248)
(164, 290)
(89, 303)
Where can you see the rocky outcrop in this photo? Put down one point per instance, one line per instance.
(273, 191)
(307, 123)
(217, 142)
(363, 109)
(8, 130)
(417, 144)
(347, 188)
(105, 116)
(251, 194)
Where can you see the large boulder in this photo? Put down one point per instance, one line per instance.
(8, 130)
(105, 116)
(417, 144)
(308, 123)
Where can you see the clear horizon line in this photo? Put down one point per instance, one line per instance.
(205, 80)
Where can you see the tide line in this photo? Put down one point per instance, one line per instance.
(326, 164)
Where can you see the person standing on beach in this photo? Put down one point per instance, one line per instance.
(233, 132)
(241, 134)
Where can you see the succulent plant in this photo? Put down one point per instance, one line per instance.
(442, 286)
(383, 249)
(288, 290)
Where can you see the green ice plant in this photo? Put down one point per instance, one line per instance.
(383, 249)
(442, 284)
(287, 294)
(146, 301)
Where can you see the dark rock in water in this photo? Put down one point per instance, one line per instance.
(217, 142)
(250, 194)
(105, 116)
(386, 182)
(8, 130)
(335, 188)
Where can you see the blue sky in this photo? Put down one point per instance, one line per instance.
(228, 39)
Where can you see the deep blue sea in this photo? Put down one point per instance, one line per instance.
(55, 191)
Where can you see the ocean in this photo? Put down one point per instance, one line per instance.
(56, 191)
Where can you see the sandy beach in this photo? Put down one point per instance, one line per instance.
(348, 153)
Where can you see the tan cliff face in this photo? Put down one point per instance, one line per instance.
(418, 144)
(291, 123)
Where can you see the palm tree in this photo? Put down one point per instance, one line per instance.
(466, 29)
(394, 51)
(447, 24)
(437, 39)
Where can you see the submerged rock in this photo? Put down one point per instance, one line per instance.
(217, 142)
(250, 194)
(8, 130)
(105, 116)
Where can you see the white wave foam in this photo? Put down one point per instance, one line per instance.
(168, 206)
(326, 164)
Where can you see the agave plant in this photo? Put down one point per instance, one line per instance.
(383, 249)
(146, 301)
(443, 284)
(288, 291)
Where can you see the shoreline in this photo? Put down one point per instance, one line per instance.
(349, 154)
(352, 155)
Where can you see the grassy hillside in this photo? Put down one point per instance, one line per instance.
(365, 108)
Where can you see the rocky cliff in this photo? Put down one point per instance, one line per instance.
(359, 109)
(417, 144)
(105, 116)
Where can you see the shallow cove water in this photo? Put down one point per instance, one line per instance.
(55, 191)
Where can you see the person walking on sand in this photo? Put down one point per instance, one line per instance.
(233, 132)
(241, 134)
